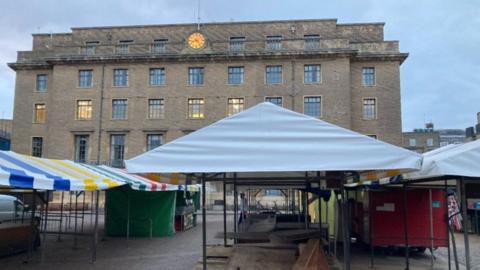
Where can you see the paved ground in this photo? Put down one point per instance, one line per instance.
(182, 251)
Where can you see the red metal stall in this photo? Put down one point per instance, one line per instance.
(387, 218)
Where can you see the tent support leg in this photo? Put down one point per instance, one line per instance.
(204, 224)
(95, 231)
(405, 226)
(224, 212)
(370, 229)
(75, 239)
(61, 219)
(235, 208)
(432, 257)
(465, 224)
(448, 226)
(346, 234)
(128, 217)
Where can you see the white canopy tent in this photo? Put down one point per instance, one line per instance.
(268, 138)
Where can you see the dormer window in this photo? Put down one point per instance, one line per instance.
(123, 46)
(159, 45)
(90, 47)
(237, 44)
(274, 42)
(312, 42)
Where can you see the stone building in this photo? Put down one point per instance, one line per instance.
(104, 94)
(5, 133)
(421, 140)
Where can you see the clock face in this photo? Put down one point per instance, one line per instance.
(196, 41)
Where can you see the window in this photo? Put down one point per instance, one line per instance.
(369, 108)
(429, 142)
(237, 44)
(275, 100)
(235, 105)
(40, 113)
(312, 106)
(196, 108)
(312, 42)
(81, 148)
(123, 46)
(368, 76)
(157, 76)
(235, 75)
(159, 45)
(37, 146)
(412, 142)
(90, 47)
(117, 149)
(85, 78)
(274, 43)
(120, 77)
(153, 141)
(119, 109)
(156, 109)
(195, 76)
(42, 82)
(311, 74)
(273, 74)
(84, 109)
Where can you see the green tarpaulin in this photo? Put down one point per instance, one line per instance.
(149, 212)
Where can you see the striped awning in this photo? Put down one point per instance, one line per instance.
(26, 172)
(138, 182)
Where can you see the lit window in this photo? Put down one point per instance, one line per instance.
(119, 109)
(312, 42)
(235, 105)
(412, 142)
(237, 44)
(90, 47)
(153, 141)
(85, 78)
(37, 146)
(156, 109)
(274, 42)
(369, 109)
(312, 106)
(42, 82)
(273, 74)
(196, 108)
(235, 75)
(40, 113)
(159, 45)
(195, 76)
(368, 76)
(81, 148)
(120, 77)
(117, 150)
(157, 76)
(123, 46)
(84, 109)
(275, 100)
(311, 74)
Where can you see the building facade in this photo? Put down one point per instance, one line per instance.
(421, 140)
(5, 134)
(451, 136)
(104, 94)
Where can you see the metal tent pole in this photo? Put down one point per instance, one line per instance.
(83, 211)
(128, 216)
(46, 218)
(346, 240)
(405, 226)
(370, 229)
(464, 221)
(75, 238)
(448, 226)
(95, 231)
(32, 226)
(204, 224)
(224, 211)
(61, 219)
(432, 257)
(235, 208)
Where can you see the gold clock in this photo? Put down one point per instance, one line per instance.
(196, 40)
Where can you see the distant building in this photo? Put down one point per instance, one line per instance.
(422, 140)
(473, 133)
(451, 136)
(5, 133)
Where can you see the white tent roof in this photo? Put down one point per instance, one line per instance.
(269, 138)
(454, 160)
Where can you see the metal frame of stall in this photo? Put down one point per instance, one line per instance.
(293, 182)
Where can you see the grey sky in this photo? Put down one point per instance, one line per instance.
(440, 79)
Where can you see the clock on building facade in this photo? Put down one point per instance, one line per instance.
(196, 40)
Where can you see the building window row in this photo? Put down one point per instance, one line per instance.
(236, 44)
(196, 76)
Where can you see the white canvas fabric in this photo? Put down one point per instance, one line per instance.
(269, 138)
(456, 160)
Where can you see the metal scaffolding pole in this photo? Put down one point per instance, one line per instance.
(204, 224)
